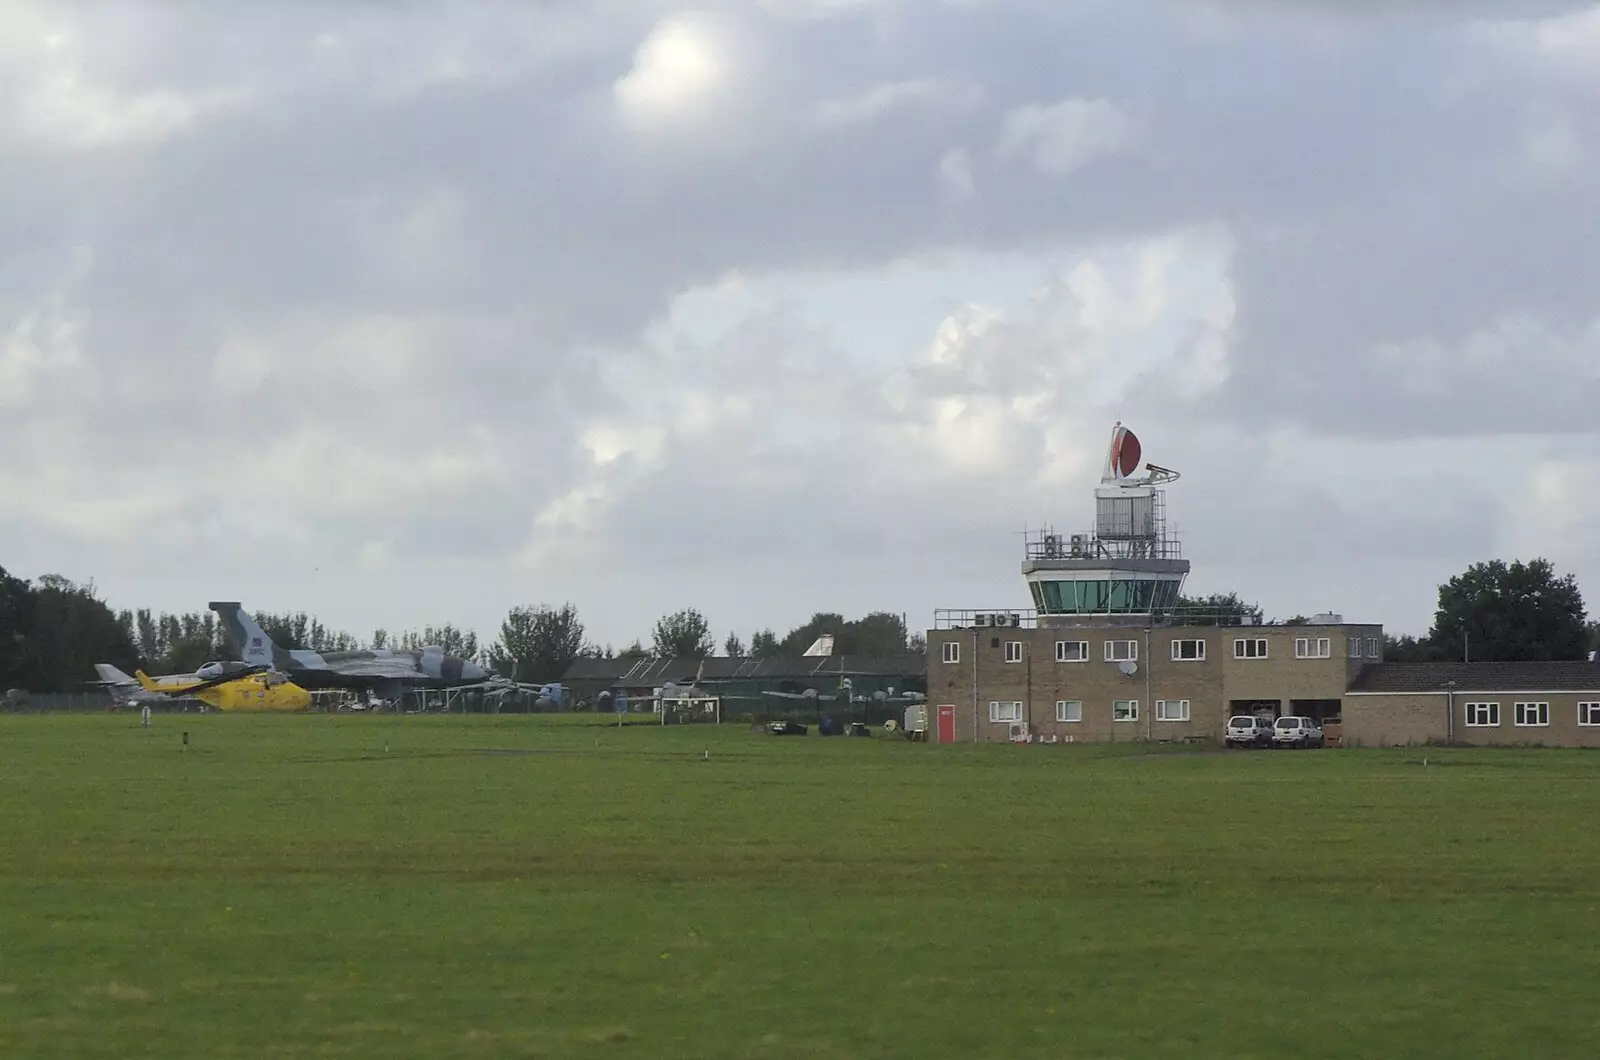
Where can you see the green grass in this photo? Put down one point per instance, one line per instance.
(286, 886)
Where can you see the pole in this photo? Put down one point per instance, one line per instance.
(974, 684)
(1149, 707)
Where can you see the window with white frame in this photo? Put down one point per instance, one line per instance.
(1013, 651)
(1374, 648)
(1532, 714)
(1313, 648)
(1072, 651)
(1172, 710)
(1355, 647)
(1250, 648)
(1483, 714)
(1589, 714)
(952, 651)
(1122, 650)
(1069, 710)
(1188, 651)
(1005, 713)
(1125, 710)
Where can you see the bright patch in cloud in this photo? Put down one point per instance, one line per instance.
(1064, 137)
(679, 64)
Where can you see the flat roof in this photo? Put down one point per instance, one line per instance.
(1468, 678)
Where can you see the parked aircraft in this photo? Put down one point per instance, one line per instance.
(390, 673)
(125, 691)
(252, 690)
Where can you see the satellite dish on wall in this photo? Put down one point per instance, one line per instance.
(1128, 667)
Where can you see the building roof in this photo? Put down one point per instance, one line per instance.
(1479, 677)
(656, 671)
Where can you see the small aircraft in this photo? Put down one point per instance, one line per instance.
(251, 690)
(227, 686)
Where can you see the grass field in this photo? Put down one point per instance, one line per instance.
(553, 887)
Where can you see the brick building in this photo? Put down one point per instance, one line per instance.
(1550, 704)
(1106, 652)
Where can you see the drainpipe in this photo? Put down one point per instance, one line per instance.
(1149, 707)
(974, 684)
(1027, 697)
(1449, 713)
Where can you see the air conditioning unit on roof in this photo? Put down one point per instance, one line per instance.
(983, 619)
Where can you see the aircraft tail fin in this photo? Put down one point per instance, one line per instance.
(110, 675)
(144, 681)
(248, 638)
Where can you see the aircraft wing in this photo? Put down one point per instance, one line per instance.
(392, 669)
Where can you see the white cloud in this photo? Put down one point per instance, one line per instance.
(881, 100)
(676, 67)
(1064, 137)
(955, 174)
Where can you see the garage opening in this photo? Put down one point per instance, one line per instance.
(1318, 710)
(1265, 709)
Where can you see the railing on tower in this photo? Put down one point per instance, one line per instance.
(1046, 544)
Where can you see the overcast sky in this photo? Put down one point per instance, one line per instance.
(404, 312)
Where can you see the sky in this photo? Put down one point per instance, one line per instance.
(406, 313)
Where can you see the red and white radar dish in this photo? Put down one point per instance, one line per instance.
(1125, 453)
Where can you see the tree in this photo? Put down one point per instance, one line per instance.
(16, 631)
(636, 650)
(1495, 612)
(1218, 609)
(537, 644)
(918, 644)
(72, 630)
(684, 635)
(764, 645)
(733, 647)
(1407, 648)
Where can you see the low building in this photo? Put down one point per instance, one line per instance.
(1550, 704)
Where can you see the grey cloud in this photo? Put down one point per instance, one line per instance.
(481, 187)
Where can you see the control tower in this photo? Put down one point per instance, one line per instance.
(1128, 567)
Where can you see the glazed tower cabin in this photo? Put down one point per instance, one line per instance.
(1108, 651)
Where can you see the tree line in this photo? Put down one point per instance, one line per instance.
(53, 631)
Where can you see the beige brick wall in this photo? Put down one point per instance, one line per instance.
(1399, 720)
(1038, 681)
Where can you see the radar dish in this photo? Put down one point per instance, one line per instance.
(1128, 667)
(1125, 453)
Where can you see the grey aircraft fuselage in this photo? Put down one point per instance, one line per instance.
(388, 671)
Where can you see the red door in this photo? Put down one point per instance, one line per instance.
(947, 723)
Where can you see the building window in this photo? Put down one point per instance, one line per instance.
(1122, 650)
(1188, 650)
(1069, 710)
(1125, 710)
(1172, 710)
(952, 651)
(1374, 648)
(1313, 648)
(1589, 714)
(1483, 714)
(1072, 651)
(1013, 651)
(1005, 713)
(1530, 714)
(1250, 648)
(1355, 647)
